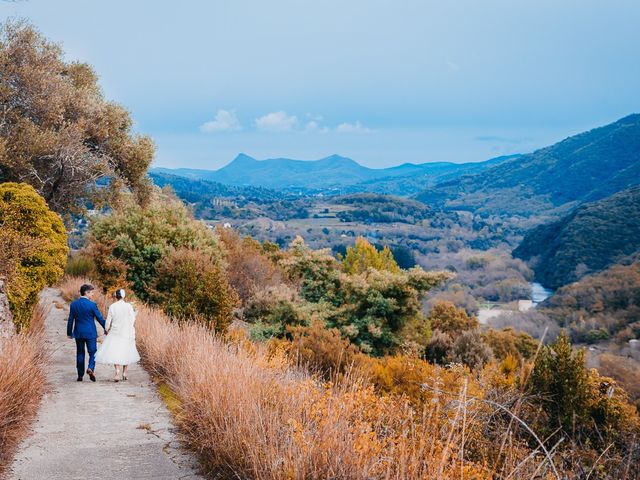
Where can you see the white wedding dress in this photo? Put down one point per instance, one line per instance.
(119, 346)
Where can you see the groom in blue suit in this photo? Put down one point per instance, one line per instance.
(82, 327)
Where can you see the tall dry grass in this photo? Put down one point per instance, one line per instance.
(22, 383)
(70, 290)
(251, 415)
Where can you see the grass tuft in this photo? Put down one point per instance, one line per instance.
(21, 361)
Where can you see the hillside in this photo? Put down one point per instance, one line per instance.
(426, 175)
(193, 190)
(585, 167)
(592, 237)
(599, 306)
(374, 208)
(334, 172)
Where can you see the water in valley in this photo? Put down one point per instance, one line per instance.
(539, 293)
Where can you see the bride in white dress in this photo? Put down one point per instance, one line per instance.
(119, 347)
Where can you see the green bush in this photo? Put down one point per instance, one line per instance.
(130, 242)
(38, 240)
(576, 401)
(190, 285)
(378, 310)
(272, 310)
(507, 342)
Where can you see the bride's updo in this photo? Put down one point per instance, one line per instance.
(120, 293)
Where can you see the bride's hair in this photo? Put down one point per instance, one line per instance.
(120, 293)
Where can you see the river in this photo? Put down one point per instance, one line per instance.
(539, 293)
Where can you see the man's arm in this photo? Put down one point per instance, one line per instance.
(98, 315)
(70, 322)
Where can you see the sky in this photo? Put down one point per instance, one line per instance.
(382, 82)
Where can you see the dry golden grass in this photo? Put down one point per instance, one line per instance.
(70, 287)
(70, 290)
(21, 361)
(250, 414)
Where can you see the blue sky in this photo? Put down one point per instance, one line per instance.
(383, 82)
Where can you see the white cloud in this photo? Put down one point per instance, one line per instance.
(352, 128)
(314, 127)
(276, 122)
(224, 121)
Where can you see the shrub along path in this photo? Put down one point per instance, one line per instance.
(101, 430)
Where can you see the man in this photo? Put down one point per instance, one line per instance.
(82, 327)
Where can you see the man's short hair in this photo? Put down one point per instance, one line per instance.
(85, 288)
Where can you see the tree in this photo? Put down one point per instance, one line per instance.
(363, 256)
(438, 350)
(560, 374)
(470, 350)
(508, 342)
(191, 285)
(57, 132)
(448, 318)
(316, 271)
(138, 238)
(249, 268)
(580, 402)
(34, 247)
(273, 309)
(377, 310)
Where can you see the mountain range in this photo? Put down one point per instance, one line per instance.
(333, 172)
(585, 167)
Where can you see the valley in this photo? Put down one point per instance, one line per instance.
(510, 231)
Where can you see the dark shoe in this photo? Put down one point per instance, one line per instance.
(79, 379)
(92, 375)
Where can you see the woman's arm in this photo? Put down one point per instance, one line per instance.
(109, 319)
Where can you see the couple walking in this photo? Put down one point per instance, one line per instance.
(118, 349)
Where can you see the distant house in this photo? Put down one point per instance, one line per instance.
(524, 305)
(226, 225)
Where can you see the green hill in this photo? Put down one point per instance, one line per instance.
(589, 239)
(585, 167)
(194, 191)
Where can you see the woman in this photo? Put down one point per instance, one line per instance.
(119, 348)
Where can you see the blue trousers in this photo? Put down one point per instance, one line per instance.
(91, 346)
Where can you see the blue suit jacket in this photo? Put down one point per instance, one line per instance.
(81, 319)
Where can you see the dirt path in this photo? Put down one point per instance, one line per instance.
(101, 430)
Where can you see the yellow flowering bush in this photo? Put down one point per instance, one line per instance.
(27, 223)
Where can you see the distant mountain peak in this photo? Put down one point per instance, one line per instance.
(243, 158)
(336, 156)
(334, 171)
(339, 160)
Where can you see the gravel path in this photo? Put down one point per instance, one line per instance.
(101, 430)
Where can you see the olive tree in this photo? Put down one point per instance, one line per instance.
(57, 131)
